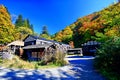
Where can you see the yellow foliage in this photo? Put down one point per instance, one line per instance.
(6, 26)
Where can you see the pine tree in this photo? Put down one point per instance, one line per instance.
(45, 33)
(44, 30)
(19, 21)
(31, 27)
(26, 23)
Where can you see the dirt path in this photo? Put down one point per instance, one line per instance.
(84, 66)
(79, 69)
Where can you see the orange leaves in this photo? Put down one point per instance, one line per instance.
(58, 36)
(67, 31)
(64, 34)
(90, 26)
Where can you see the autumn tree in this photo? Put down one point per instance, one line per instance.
(67, 35)
(6, 26)
(58, 36)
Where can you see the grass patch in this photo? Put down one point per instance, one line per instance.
(49, 65)
(16, 62)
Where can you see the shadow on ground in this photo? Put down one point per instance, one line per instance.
(79, 69)
(85, 67)
(53, 74)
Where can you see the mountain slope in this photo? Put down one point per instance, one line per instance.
(103, 23)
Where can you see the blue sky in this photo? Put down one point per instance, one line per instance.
(55, 14)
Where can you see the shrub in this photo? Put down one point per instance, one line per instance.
(59, 58)
(56, 58)
(109, 56)
(42, 62)
(47, 58)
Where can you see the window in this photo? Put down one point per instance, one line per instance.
(34, 54)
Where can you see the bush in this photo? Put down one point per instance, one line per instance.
(47, 58)
(56, 58)
(42, 62)
(59, 58)
(109, 56)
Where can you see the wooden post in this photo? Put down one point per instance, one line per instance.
(81, 52)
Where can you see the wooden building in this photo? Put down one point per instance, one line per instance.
(36, 47)
(15, 47)
(89, 48)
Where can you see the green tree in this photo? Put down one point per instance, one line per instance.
(45, 33)
(19, 21)
(31, 27)
(45, 36)
(23, 27)
(44, 30)
(108, 61)
(26, 23)
(24, 31)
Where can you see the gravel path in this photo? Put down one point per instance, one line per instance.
(79, 69)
